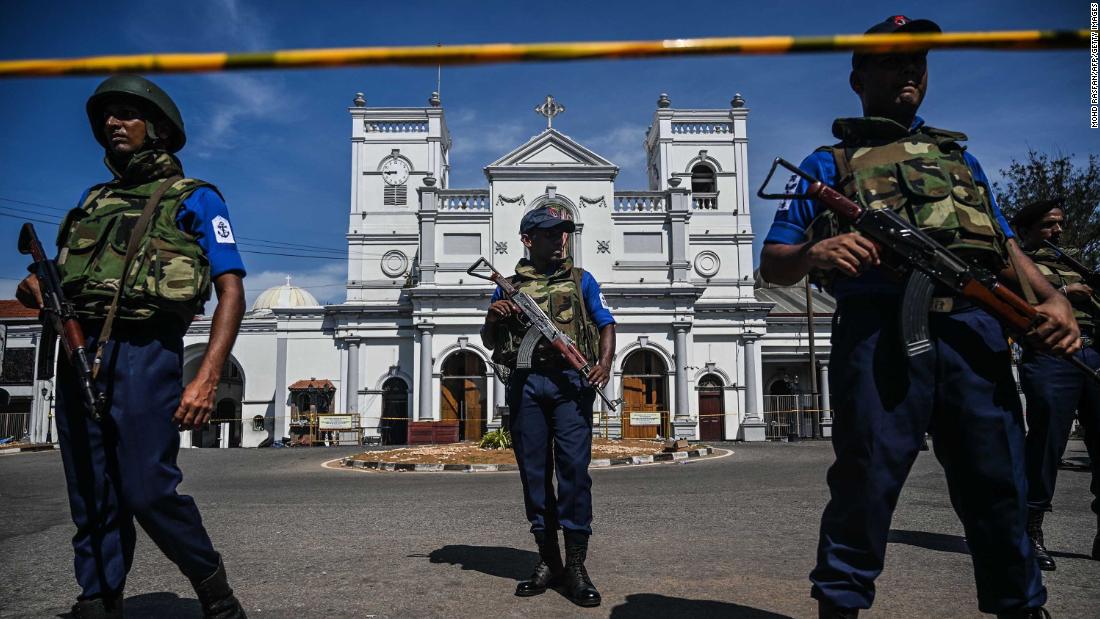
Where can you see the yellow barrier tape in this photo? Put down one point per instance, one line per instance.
(526, 52)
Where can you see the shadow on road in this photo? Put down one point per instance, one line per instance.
(492, 560)
(931, 541)
(640, 605)
(161, 605)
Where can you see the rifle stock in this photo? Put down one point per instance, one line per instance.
(59, 317)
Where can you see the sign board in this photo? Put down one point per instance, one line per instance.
(638, 418)
(335, 422)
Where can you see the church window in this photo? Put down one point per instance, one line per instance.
(394, 195)
(702, 179)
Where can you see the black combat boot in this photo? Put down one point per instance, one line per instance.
(826, 610)
(1035, 532)
(578, 587)
(107, 607)
(216, 596)
(549, 570)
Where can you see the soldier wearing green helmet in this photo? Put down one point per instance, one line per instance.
(137, 258)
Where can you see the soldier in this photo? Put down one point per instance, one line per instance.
(123, 467)
(1054, 389)
(550, 404)
(886, 401)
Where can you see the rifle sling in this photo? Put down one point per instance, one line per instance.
(141, 228)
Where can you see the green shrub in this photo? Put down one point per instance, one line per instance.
(497, 439)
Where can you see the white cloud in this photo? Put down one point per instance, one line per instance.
(239, 98)
(326, 282)
(623, 145)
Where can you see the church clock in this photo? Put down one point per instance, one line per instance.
(395, 171)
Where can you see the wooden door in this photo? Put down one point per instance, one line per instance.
(635, 399)
(711, 426)
(474, 415)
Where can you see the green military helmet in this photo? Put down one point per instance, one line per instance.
(141, 88)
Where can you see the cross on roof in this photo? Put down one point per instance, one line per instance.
(549, 108)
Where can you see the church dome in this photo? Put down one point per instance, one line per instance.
(279, 297)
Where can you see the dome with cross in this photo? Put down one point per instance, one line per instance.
(285, 296)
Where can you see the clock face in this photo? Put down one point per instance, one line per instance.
(395, 171)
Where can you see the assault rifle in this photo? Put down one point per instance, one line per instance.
(59, 318)
(928, 264)
(539, 327)
(1092, 278)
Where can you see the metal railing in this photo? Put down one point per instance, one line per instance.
(15, 426)
(792, 417)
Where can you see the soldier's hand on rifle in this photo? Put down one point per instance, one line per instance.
(1079, 291)
(1059, 332)
(850, 253)
(502, 309)
(196, 404)
(599, 375)
(29, 293)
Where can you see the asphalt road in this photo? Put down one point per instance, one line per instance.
(728, 537)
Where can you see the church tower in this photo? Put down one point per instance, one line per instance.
(392, 151)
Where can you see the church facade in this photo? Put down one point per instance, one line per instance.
(695, 355)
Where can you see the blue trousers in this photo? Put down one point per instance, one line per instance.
(963, 390)
(124, 467)
(1056, 392)
(551, 426)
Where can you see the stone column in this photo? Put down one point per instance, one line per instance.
(425, 397)
(352, 396)
(752, 429)
(826, 405)
(499, 400)
(683, 424)
(679, 214)
(280, 421)
(427, 216)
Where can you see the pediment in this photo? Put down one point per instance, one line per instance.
(552, 148)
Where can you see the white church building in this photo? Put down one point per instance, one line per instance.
(697, 350)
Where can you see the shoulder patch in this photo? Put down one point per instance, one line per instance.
(223, 232)
(790, 187)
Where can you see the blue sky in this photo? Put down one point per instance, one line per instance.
(276, 142)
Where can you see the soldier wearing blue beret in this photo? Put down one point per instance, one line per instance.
(961, 388)
(550, 403)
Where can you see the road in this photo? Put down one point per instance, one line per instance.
(727, 537)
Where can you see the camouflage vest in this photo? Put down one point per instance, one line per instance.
(1058, 274)
(169, 275)
(922, 176)
(559, 295)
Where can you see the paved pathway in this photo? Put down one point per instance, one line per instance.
(729, 537)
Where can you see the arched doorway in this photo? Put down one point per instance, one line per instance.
(463, 394)
(226, 418)
(711, 409)
(395, 412)
(645, 395)
(702, 179)
(226, 412)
